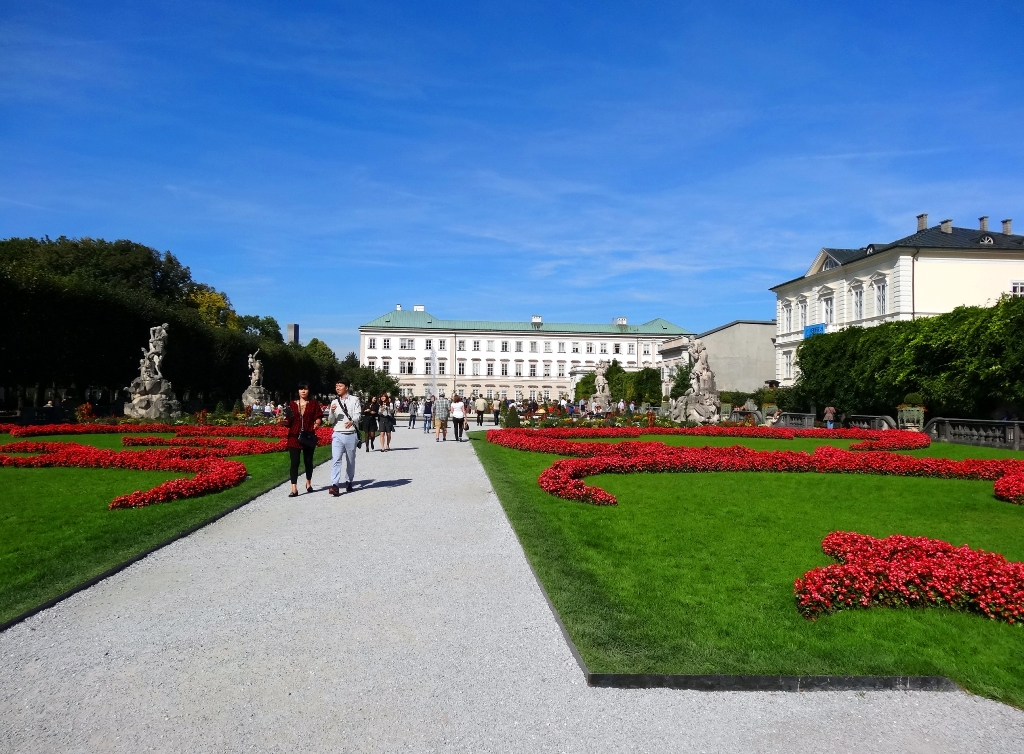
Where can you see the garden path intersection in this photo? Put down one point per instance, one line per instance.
(401, 617)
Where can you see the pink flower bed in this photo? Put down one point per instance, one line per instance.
(901, 571)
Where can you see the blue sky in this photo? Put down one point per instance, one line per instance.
(580, 161)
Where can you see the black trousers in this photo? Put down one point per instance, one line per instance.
(496, 414)
(479, 418)
(307, 456)
(458, 427)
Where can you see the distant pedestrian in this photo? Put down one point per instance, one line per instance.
(458, 410)
(481, 409)
(345, 411)
(385, 421)
(302, 417)
(413, 407)
(369, 420)
(428, 408)
(496, 409)
(441, 406)
(830, 416)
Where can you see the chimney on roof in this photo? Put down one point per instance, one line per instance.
(398, 307)
(536, 320)
(946, 226)
(418, 308)
(619, 321)
(983, 223)
(922, 221)
(1008, 227)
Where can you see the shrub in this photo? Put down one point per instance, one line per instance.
(914, 399)
(511, 418)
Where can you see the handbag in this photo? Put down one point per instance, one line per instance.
(306, 438)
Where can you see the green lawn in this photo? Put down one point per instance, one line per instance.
(56, 531)
(693, 573)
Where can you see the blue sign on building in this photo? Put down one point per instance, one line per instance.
(814, 330)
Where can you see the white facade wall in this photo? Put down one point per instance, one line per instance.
(555, 366)
(919, 283)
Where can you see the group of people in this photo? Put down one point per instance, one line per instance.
(437, 411)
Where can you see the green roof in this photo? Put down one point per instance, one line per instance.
(413, 320)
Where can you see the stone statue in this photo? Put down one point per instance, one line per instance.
(700, 403)
(603, 397)
(152, 397)
(255, 394)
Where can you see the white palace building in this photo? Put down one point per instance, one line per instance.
(930, 272)
(536, 359)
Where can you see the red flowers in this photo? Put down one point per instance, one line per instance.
(564, 478)
(212, 474)
(901, 571)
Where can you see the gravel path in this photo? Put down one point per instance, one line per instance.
(403, 617)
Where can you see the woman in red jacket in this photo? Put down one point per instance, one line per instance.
(302, 417)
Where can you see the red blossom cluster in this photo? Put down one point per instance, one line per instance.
(38, 430)
(902, 571)
(221, 446)
(564, 478)
(212, 473)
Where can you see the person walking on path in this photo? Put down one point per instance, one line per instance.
(496, 409)
(481, 409)
(428, 407)
(385, 421)
(441, 405)
(413, 406)
(830, 416)
(369, 420)
(303, 420)
(458, 409)
(345, 411)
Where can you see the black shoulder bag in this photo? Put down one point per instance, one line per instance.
(306, 438)
(359, 435)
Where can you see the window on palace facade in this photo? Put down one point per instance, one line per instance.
(787, 364)
(547, 395)
(519, 346)
(460, 368)
(406, 367)
(787, 318)
(547, 370)
(533, 395)
(476, 345)
(603, 348)
(460, 345)
(1017, 288)
(504, 346)
(547, 346)
(490, 394)
(428, 368)
(647, 349)
(385, 366)
(371, 343)
(386, 344)
(617, 348)
(533, 346)
(440, 367)
(590, 347)
(476, 368)
(828, 311)
(372, 363)
(858, 303)
(429, 344)
(504, 395)
(631, 349)
(533, 370)
(561, 370)
(406, 344)
(442, 344)
(490, 345)
(504, 369)
(519, 369)
(881, 296)
(490, 368)
(575, 347)
(803, 314)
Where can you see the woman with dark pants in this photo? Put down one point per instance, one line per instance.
(385, 421)
(370, 422)
(304, 414)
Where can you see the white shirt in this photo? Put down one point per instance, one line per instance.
(338, 418)
(458, 410)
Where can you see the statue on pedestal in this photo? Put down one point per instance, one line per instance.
(152, 397)
(700, 403)
(603, 397)
(255, 394)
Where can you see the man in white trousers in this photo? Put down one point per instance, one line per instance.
(344, 413)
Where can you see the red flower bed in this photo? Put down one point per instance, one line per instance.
(201, 430)
(212, 474)
(38, 430)
(220, 446)
(901, 571)
(564, 478)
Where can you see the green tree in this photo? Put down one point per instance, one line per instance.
(266, 328)
(647, 386)
(586, 387)
(680, 381)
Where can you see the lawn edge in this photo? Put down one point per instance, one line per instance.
(720, 682)
(94, 580)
